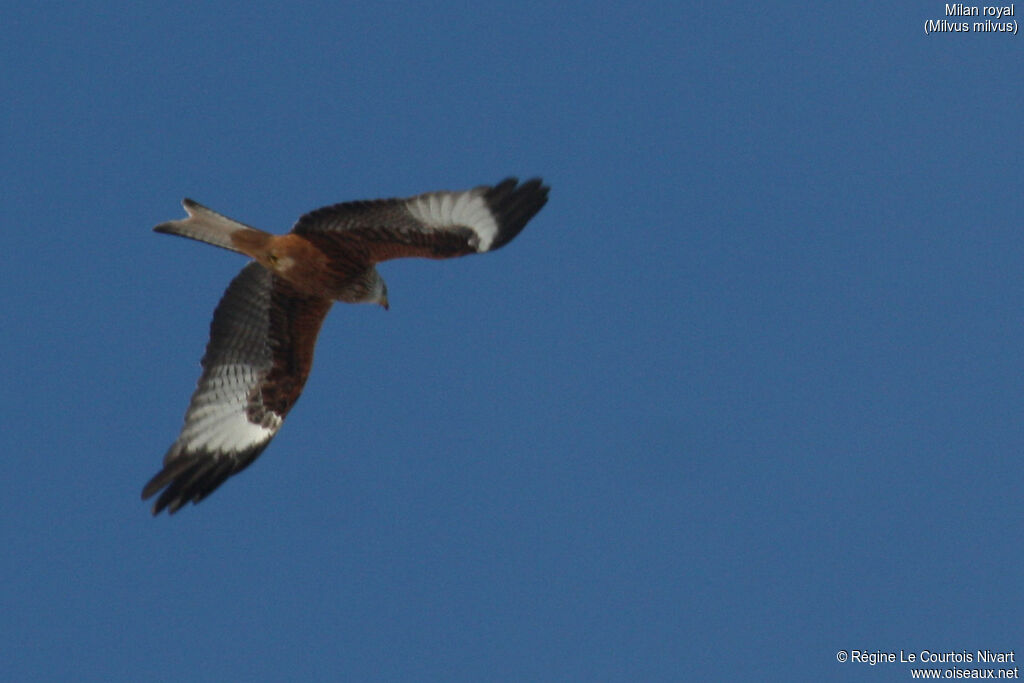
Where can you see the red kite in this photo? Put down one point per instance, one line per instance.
(265, 326)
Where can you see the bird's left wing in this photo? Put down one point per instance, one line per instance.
(433, 225)
(257, 360)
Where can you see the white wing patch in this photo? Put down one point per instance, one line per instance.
(450, 209)
(217, 419)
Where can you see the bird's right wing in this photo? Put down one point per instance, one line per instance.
(256, 363)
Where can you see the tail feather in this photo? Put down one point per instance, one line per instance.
(206, 225)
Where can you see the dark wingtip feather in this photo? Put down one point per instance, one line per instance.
(176, 479)
(190, 478)
(513, 205)
(165, 476)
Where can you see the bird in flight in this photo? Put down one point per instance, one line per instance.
(265, 327)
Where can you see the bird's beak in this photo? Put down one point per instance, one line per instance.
(384, 303)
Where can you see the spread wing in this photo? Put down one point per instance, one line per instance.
(433, 225)
(257, 360)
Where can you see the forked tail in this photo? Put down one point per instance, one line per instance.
(207, 226)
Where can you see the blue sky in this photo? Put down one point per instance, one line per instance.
(747, 392)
